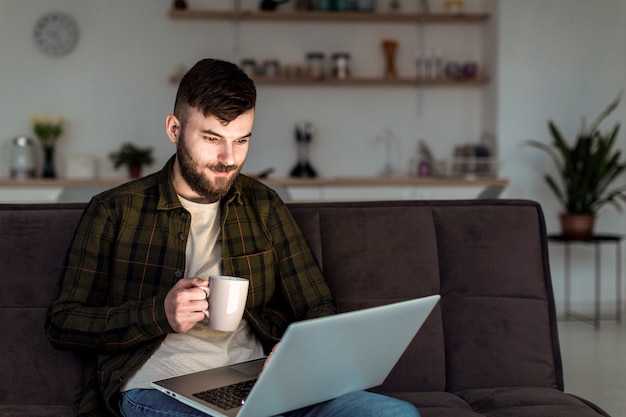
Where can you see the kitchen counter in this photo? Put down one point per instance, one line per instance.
(385, 181)
(298, 189)
(285, 182)
(59, 182)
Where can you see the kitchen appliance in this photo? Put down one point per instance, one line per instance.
(304, 136)
(23, 158)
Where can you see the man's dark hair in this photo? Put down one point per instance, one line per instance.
(216, 88)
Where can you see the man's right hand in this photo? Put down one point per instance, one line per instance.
(185, 304)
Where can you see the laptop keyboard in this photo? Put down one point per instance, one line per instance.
(229, 396)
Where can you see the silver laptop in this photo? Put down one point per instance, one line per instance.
(317, 360)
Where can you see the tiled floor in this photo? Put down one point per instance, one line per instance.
(594, 363)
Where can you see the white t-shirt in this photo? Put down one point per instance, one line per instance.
(201, 347)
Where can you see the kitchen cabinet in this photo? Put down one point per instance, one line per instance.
(41, 190)
(291, 189)
(385, 188)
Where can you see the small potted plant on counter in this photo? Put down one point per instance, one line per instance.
(133, 157)
(587, 169)
(48, 132)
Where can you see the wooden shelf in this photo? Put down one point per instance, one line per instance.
(458, 181)
(287, 182)
(61, 182)
(346, 17)
(363, 81)
(330, 16)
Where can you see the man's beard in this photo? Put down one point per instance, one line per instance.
(212, 190)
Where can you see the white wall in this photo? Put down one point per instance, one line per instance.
(558, 60)
(115, 87)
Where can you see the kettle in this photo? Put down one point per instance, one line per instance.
(23, 158)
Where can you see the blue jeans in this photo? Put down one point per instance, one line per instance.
(152, 403)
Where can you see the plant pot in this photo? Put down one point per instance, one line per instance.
(134, 171)
(577, 226)
(48, 162)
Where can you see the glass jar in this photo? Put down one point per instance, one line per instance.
(343, 5)
(249, 66)
(323, 5)
(365, 5)
(271, 68)
(23, 158)
(292, 70)
(315, 65)
(341, 65)
(454, 6)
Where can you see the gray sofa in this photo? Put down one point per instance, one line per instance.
(490, 347)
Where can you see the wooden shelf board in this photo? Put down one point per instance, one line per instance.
(308, 182)
(330, 16)
(363, 81)
(359, 81)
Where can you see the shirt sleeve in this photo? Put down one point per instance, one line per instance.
(81, 315)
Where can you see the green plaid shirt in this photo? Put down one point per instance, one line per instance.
(129, 250)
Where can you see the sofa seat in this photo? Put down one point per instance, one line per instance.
(36, 411)
(499, 402)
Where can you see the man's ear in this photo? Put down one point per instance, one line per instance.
(172, 127)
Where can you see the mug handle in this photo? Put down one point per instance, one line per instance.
(207, 290)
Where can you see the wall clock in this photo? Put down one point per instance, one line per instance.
(56, 33)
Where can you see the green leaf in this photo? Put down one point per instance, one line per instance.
(586, 169)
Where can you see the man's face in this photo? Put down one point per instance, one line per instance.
(209, 154)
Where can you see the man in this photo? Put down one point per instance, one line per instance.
(129, 289)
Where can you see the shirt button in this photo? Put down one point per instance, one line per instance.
(178, 274)
(182, 236)
(184, 215)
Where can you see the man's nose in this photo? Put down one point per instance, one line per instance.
(226, 153)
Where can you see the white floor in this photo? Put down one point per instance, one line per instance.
(594, 363)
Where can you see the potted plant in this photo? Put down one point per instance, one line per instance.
(587, 170)
(133, 157)
(48, 132)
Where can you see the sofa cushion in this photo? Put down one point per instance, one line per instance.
(498, 311)
(36, 411)
(386, 235)
(499, 402)
(31, 369)
(526, 402)
(34, 242)
(439, 404)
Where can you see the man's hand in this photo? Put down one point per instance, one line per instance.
(185, 303)
(269, 357)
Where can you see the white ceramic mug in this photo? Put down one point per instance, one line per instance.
(227, 300)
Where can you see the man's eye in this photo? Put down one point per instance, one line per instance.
(242, 141)
(211, 138)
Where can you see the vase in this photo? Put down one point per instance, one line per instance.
(134, 171)
(577, 226)
(48, 162)
(390, 48)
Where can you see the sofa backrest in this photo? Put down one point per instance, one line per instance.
(494, 327)
(33, 241)
(496, 323)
